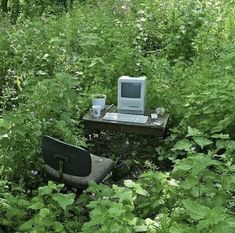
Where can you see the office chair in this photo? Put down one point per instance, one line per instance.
(71, 165)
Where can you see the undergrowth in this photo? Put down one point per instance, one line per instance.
(51, 63)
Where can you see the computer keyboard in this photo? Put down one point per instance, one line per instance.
(113, 116)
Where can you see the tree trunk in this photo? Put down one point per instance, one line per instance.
(4, 7)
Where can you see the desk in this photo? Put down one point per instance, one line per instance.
(92, 123)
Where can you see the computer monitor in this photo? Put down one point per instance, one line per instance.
(131, 94)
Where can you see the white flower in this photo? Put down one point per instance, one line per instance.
(173, 182)
(34, 173)
(142, 19)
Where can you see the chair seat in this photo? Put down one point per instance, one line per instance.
(100, 167)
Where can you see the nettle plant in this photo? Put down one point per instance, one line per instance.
(206, 180)
(113, 209)
(197, 196)
(50, 107)
(206, 188)
(162, 190)
(48, 211)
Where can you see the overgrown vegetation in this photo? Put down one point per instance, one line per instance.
(54, 56)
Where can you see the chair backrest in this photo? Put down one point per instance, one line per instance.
(76, 161)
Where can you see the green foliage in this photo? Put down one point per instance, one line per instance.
(161, 189)
(47, 211)
(51, 108)
(186, 49)
(112, 211)
(53, 62)
(196, 196)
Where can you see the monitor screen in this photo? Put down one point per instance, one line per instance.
(130, 90)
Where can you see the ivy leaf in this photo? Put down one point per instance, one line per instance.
(195, 210)
(64, 200)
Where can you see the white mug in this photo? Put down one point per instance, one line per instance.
(95, 110)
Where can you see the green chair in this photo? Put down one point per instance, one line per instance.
(72, 165)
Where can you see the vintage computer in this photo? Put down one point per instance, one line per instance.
(131, 94)
(131, 100)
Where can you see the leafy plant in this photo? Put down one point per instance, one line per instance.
(114, 213)
(49, 210)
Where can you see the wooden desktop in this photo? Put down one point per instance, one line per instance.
(91, 123)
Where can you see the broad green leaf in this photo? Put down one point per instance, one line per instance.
(115, 228)
(93, 204)
(125, 196)
(184, 144)
(64, 200)
(53, 185)
(202, 141)
(231, 145)
(141, 228)
(44, 212)
(27, 225)
(189, 182)
(116, 211)
(44, 190)
(198, 167)
(58, 227)
(194, 132)
(232, 168)
(215, 216)
(195, 191)
(181, 228)
(221, 136)
(37, 206)
(183, 165)
(222, 124)
(141, 191)
(129, 183)
(224, 227)
(195, 210)
(4, 124)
